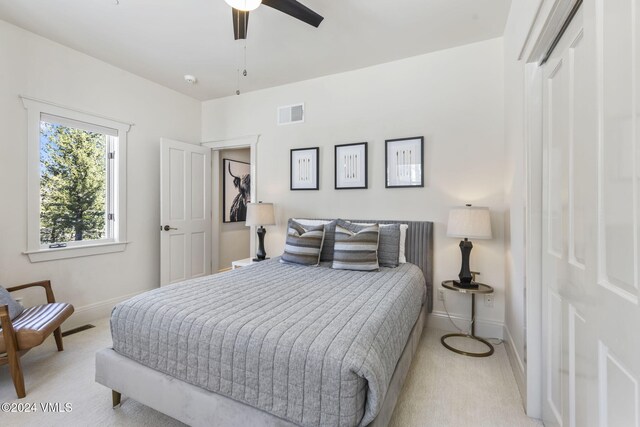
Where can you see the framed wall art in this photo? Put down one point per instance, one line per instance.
(351, 166)
(236, 190)
(404, 162)
(304, 168)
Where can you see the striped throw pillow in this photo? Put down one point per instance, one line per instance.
(304, 244)
(329, 232)
(356, 251)
(388, 244)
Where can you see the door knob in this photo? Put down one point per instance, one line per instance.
(167, 228)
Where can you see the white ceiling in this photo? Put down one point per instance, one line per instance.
(162, 40)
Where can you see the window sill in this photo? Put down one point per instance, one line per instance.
(75, 251)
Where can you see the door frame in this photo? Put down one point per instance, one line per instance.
(548, 24)
(533, 238)
(250, 142)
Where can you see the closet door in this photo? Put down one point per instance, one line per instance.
(591, 351)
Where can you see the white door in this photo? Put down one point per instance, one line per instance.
(591, 318)
(185, 211)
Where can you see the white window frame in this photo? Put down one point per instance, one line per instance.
(117, 176)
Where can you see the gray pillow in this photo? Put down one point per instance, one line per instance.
(329, 241)
(15, 308)
(388, 245)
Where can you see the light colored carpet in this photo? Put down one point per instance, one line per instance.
(443, 388)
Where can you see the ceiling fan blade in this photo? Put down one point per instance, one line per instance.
(240, 23)
(295, 9)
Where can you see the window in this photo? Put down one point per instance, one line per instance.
(77, 178)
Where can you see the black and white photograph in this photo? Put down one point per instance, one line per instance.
(351, 166)
(404, 162)
(305, 170)
(236, 193)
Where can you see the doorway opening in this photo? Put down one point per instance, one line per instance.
(232, 187)
(232, 240)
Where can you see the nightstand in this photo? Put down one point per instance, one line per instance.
(242, 263)
(481, 289)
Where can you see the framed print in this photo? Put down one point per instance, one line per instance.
(351, 166)
(304, 168)
(404, 162)
(236, 190)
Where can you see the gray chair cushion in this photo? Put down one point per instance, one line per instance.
(35, 324)
(15, 308)
(389, 244)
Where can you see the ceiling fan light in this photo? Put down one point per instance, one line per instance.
(244, 5)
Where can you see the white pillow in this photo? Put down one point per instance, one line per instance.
(402, 259)
(311, 222)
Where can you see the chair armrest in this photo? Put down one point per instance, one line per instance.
(5, 320)
(4, 312)
(46, 284)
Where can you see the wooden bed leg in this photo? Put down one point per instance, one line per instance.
(115, 396)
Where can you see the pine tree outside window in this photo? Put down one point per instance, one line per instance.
(77, 175)
(75, 184)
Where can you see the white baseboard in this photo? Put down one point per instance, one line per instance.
(517, 365)
(92, 312)
(484, 328)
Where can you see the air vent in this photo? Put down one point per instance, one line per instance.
(290, 114)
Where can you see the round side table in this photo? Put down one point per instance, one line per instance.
(481, 289)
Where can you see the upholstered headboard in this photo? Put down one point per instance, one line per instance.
(419, 248)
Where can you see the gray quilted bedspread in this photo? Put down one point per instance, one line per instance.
(313, 345)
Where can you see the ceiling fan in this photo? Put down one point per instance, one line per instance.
(241, 9)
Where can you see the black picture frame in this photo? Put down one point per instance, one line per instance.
(226, 216)
(402, 178)
(356, 167)
(304, 178)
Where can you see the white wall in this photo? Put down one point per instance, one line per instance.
(33, 66)
(453, 97)
(235, 237)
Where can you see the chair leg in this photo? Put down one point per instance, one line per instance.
(13, 355)
(115, 396)
(15, 368)
(58, 336)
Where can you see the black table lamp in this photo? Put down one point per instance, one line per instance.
(468, 222)
(260, 214)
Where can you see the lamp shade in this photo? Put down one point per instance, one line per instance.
(260, 214)
(244, 5)
(469, 222)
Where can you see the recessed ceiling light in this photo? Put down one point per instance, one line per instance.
(190, 79)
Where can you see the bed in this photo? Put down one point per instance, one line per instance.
(274, 344)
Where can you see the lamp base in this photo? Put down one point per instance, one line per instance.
(465, 273)
(465, 285)
(259, 259)
(261, 255)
